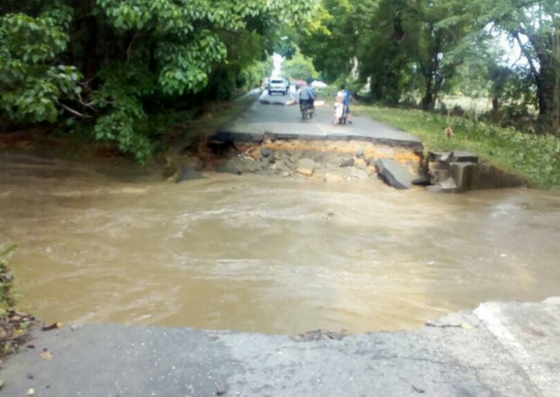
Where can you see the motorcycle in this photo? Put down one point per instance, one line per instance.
(340, 113)
(307, 109)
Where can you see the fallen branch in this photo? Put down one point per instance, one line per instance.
(75, 112)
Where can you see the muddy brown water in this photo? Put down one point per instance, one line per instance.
(251, 253)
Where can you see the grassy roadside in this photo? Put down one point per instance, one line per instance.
(13, 324)
(535, 158)
(6, 281)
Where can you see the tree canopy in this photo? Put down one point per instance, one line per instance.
(109, 63)
(430, 47)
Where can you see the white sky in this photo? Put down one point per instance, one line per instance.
(278, 59)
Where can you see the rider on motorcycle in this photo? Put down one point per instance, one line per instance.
(307, 96)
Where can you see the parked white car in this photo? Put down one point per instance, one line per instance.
(278, 84)
(318, 84)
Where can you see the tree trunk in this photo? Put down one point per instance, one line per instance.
(393, 74)
(496, 109)
(90, 57)
(545, 81)
(428, 99)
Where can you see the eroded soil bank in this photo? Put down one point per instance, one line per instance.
(330, 161)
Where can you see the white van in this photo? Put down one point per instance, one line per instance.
(278, 84)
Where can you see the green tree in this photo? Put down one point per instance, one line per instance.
(437, 51)
(331, 41)
(112, 62)
(299, 67)
(535, 27)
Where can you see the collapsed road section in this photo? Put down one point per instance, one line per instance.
(499, 349)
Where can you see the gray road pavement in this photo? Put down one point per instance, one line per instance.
(273, 114)
(506, 350)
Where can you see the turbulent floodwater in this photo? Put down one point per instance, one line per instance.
(102, 244)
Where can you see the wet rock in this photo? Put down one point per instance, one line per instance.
(279, 166)
(360, 164)
(358, 173)
(347, 163)
(282, 155)
(244, 164)
(228, 170)
(266, 152)
(436, 165)
(317, 157)
(462, 174)
(372, 170)
(305, 167)
(254, 153)
(448, 184)
(394, 174)
(295, 155)
(329, 157)
(440, 175)
(333, 178)
(188, 174)
(424, 181)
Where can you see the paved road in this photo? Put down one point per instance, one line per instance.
(505, 350)
(273, 114)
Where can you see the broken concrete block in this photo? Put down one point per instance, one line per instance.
(462, 174)
(333, 178)
(361, 164)
(306, 167)
(440, 175)
(460, 156)
(437, 165)
(394, 174)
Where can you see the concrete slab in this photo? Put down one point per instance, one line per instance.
(394, 174)
(498, 350)
(285, 122)
(455, 156)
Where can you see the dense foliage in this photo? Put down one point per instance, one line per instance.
(405, 49)
(109, 64)
(6, 281)
(299, 67)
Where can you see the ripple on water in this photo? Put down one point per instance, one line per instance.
(268, 255)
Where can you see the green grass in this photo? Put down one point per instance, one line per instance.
(6, 281)
(535, 158)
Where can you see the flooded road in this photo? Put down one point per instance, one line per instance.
(250, 253)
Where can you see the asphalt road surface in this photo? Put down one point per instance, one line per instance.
(499, 350)
(280, 115)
